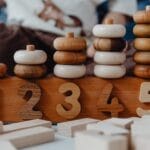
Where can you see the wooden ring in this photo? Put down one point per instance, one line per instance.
(109, 44)
(32, 71)
(142, 44)
(109, 58)
(69, 58)
(142, 58)
(142, 17)
(142, 30)
(109, 72)
(69, 71)
(142, 71)
(3, 70)
(69, 43)
(109, 31)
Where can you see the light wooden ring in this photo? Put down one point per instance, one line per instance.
(109, 44)
(142, 44)
(109, 30)
(35, 57)
(142, 30)
(142, 58)
(142, 71)
(32, 71)
(109, 58)
(69, 58)
(69, 43)
(69, 71)
(142, 17)
(109, 72)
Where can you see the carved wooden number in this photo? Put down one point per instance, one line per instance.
(144, 97)
(71, 99)
(103, 106)
(32, 93)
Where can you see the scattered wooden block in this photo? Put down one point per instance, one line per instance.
(69, 128)
(88, 140)
(25, 125)
(29, 137)
(6, 145)
(1, 127)
(145, 92)
(107, 129)
(124, 123)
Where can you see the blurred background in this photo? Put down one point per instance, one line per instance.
(39, 22)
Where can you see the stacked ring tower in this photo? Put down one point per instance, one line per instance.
(142, 43)
(70, 56)
(109, 45)
(30, 63)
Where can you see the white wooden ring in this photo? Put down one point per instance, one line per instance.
(109, 30)
(109, 58)
(35, 57)
(109, 72)
(69, 71)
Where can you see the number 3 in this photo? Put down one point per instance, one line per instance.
(71, 99)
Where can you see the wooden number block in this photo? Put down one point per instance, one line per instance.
(29, 137)
(71, 99)
(107, 129)
(32, 93)
(145, 92)
(88, 140)
(6, 145)
(26, 124)
(69, 128)
(1, 127)
(103, 106)
(120, 122)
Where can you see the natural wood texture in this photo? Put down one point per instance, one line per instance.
(3, 70)
(69, 58)
(72, 99)
(32, 93)
(126, 90)
(142, 58)
(70, 43)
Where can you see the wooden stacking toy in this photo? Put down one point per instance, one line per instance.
(69, 56)
(30, 63)
(109, 64)
(142, 43)
(3, 70)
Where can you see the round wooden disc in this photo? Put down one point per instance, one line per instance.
(142, 44)
(109, 44)
(69, 43)
(142, 30)
(30, 71)
(142, 58)
(69, 58)
(142, 71)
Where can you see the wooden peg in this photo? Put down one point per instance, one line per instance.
(109, 21)
(70, 35)
(30, 47)
(141, 112)
(145, 92)
(71, 99)
(32, 93)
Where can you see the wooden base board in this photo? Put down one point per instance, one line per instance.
(124, 91)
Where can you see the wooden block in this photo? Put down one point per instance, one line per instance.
(6, 145)
(69, 128)
(29, 137)
(1, 127)
(124, 123)
(88, 140)
(26, 124)
(145, 92)
(107, 129)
